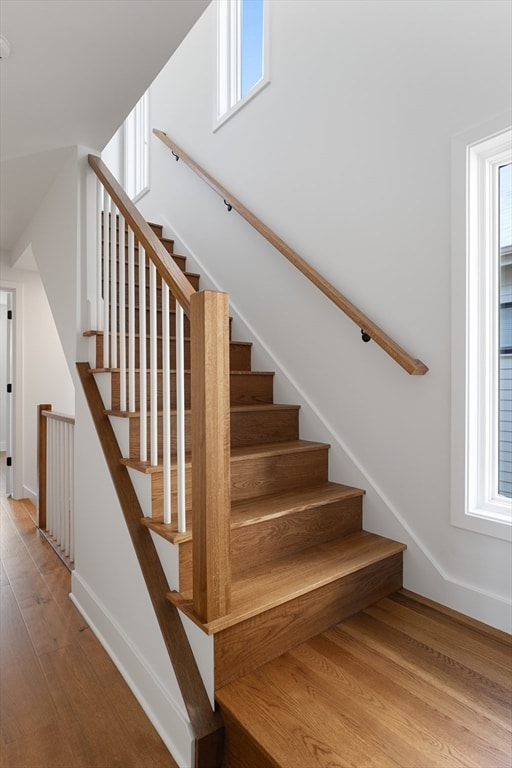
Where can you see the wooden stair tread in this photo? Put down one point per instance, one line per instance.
(275, 449)
(239, 454)
(171, 338)
(244, 408)
(269, 585)
(159, 370)
(168, 531)
(251, 511)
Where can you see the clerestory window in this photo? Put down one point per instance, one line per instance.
(136, 150)
(242, 54)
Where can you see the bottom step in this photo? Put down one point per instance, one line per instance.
(275, 607)
(403, 683)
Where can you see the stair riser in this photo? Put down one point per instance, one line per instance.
(271, 539)
(239, 354)
(246, 646)
(245, 388)
(240, 748)
(263, 475)
(260, 476)
(263, 542)
(180, 261)
(172, 322)
(157, 228)
(166, 242)
(191, 277)
(279, 429)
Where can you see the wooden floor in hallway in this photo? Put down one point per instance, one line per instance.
(63, 703)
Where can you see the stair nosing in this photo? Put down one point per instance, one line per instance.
(246, 407)
(243, 609)
(320, 495)
(238, 454)
(187, 370)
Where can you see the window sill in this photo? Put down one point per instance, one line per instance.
(223, 119)
(485, 522)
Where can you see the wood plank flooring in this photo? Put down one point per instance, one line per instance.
(63, 704)
(399, 685)
(402, 684)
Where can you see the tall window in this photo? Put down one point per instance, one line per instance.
(482, 328)
(242, 54)
(136, 149)
(505, 332)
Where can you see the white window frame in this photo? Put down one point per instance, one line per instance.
(136, 150)
(476, 157)
(229, 98)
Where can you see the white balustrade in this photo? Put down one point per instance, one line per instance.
(60, 480)
(128, 304)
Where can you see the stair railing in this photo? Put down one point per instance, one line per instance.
(369, 330)
(144, 349)
(55, 460)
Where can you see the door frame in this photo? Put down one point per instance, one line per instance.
(14, 400)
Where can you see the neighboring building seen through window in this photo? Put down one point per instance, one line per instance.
(481, 462)
(505, 332)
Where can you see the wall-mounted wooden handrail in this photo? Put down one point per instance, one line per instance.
(165, 265)
(369, 328)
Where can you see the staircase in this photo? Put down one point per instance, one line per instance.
(300, 561)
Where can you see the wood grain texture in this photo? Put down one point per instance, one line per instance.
(63, 703)
(275, 536)
(211, 482)
(262, 470)
(249, 425)
(262, 588)
(246, 387)
(244, 646)
(203, 720)
(380, 689)
(394, 350)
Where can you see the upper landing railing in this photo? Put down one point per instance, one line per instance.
(369, 330)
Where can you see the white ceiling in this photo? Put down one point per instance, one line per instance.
(76, 69)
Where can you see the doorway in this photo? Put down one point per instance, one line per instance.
(7, 374)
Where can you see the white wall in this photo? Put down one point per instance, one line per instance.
(346, 155)
(45, 376)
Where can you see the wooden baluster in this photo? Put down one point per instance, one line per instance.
(211, 498)
(41, 464)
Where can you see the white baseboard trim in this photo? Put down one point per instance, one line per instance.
(28, 493)
(166, 714)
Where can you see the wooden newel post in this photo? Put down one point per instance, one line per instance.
(41, 464)
(211, 491)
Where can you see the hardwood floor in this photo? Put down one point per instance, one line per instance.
(400, 684)
(63, 704)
